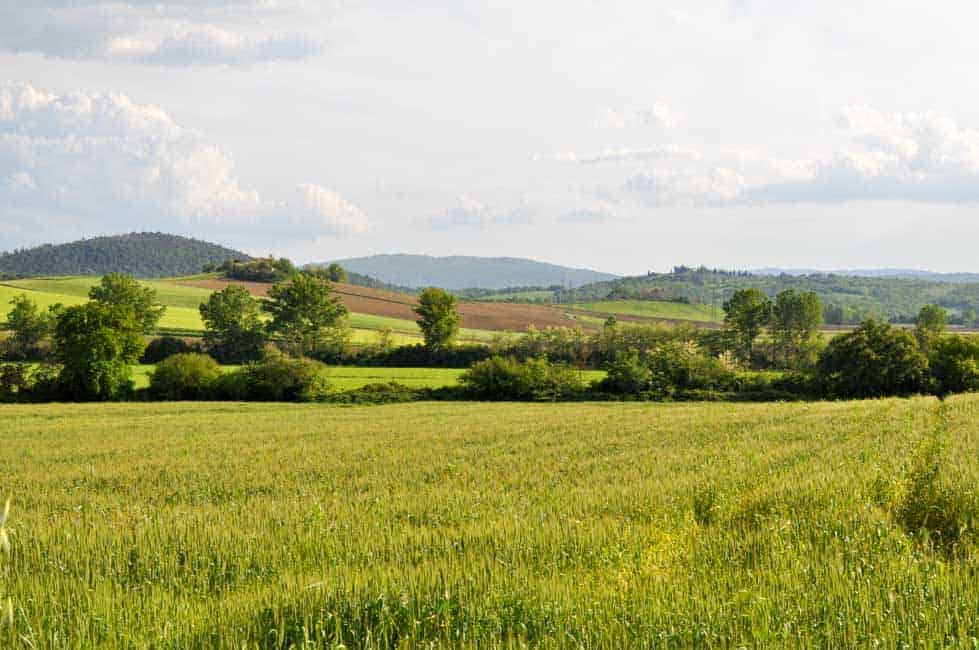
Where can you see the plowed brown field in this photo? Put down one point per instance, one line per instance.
(475, 315)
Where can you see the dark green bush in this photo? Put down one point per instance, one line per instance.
(954, 365)
(874, 360)
(164, 347)
(281, 378)
(627, 375)
(419, 356)
(379, 393)
(185, 376)
(537, 380)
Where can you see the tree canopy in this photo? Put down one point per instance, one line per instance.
(303, 312)
(119, 290)
(233, 331)
(439, 319)
(874, 360)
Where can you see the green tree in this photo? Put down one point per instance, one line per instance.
(118, 289)
(28, 325)
(336, 273)
(746, 314)
(954, 364)
(796, 320)
(233, 331)
(930, 325)
(439, 319)
(96, 345)
(304, 311)
(874, 360)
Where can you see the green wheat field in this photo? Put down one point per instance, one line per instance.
(230, 525)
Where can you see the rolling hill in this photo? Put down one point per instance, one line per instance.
(145, 255)
(462, 272)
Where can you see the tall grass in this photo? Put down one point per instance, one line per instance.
(484, 525)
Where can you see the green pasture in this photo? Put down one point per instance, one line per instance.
(652, 309)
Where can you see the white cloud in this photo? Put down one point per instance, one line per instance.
(925, 157)
(76, 164)
(213, 32)
(624, 155)
(330, 211)
(656, 114)
(471, 213)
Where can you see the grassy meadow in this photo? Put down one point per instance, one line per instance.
(230, 525)
(652, 309)
(345, 378)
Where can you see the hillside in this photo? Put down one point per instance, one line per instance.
(461, 272)
(903, 274)
(145, 255)
(847, 299)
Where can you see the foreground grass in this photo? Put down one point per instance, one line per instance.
(258, 525)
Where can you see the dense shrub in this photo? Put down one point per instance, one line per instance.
(954, 365)
(379, 393)
(874, 360)
(419, 356)
(186, 376)
(683, 365)
(280, 378)
(628, 374)
(505, 378)
(21, 382)
(164, 347)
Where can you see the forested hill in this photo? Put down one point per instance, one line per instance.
(460, 272)
(145, 255)
(847, 299)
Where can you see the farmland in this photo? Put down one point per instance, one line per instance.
(655, 309)
(370, 309)
(223, 525)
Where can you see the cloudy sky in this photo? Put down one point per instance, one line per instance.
(620, 135)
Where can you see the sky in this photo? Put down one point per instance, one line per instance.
(621, 136)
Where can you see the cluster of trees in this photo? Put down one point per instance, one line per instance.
(92, 346)
(265, 269)
(793, 321)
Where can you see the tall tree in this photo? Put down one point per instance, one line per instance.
(304, 311)
(96, 345)
(746, 314)
(28, 326)
(796, 320)
(439, 318)
(930, 325)
(233, 331)
(118, 289)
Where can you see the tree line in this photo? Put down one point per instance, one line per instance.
(282, 338)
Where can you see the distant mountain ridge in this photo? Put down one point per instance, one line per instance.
(899, 274)
(464, 272)
(144, 255)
